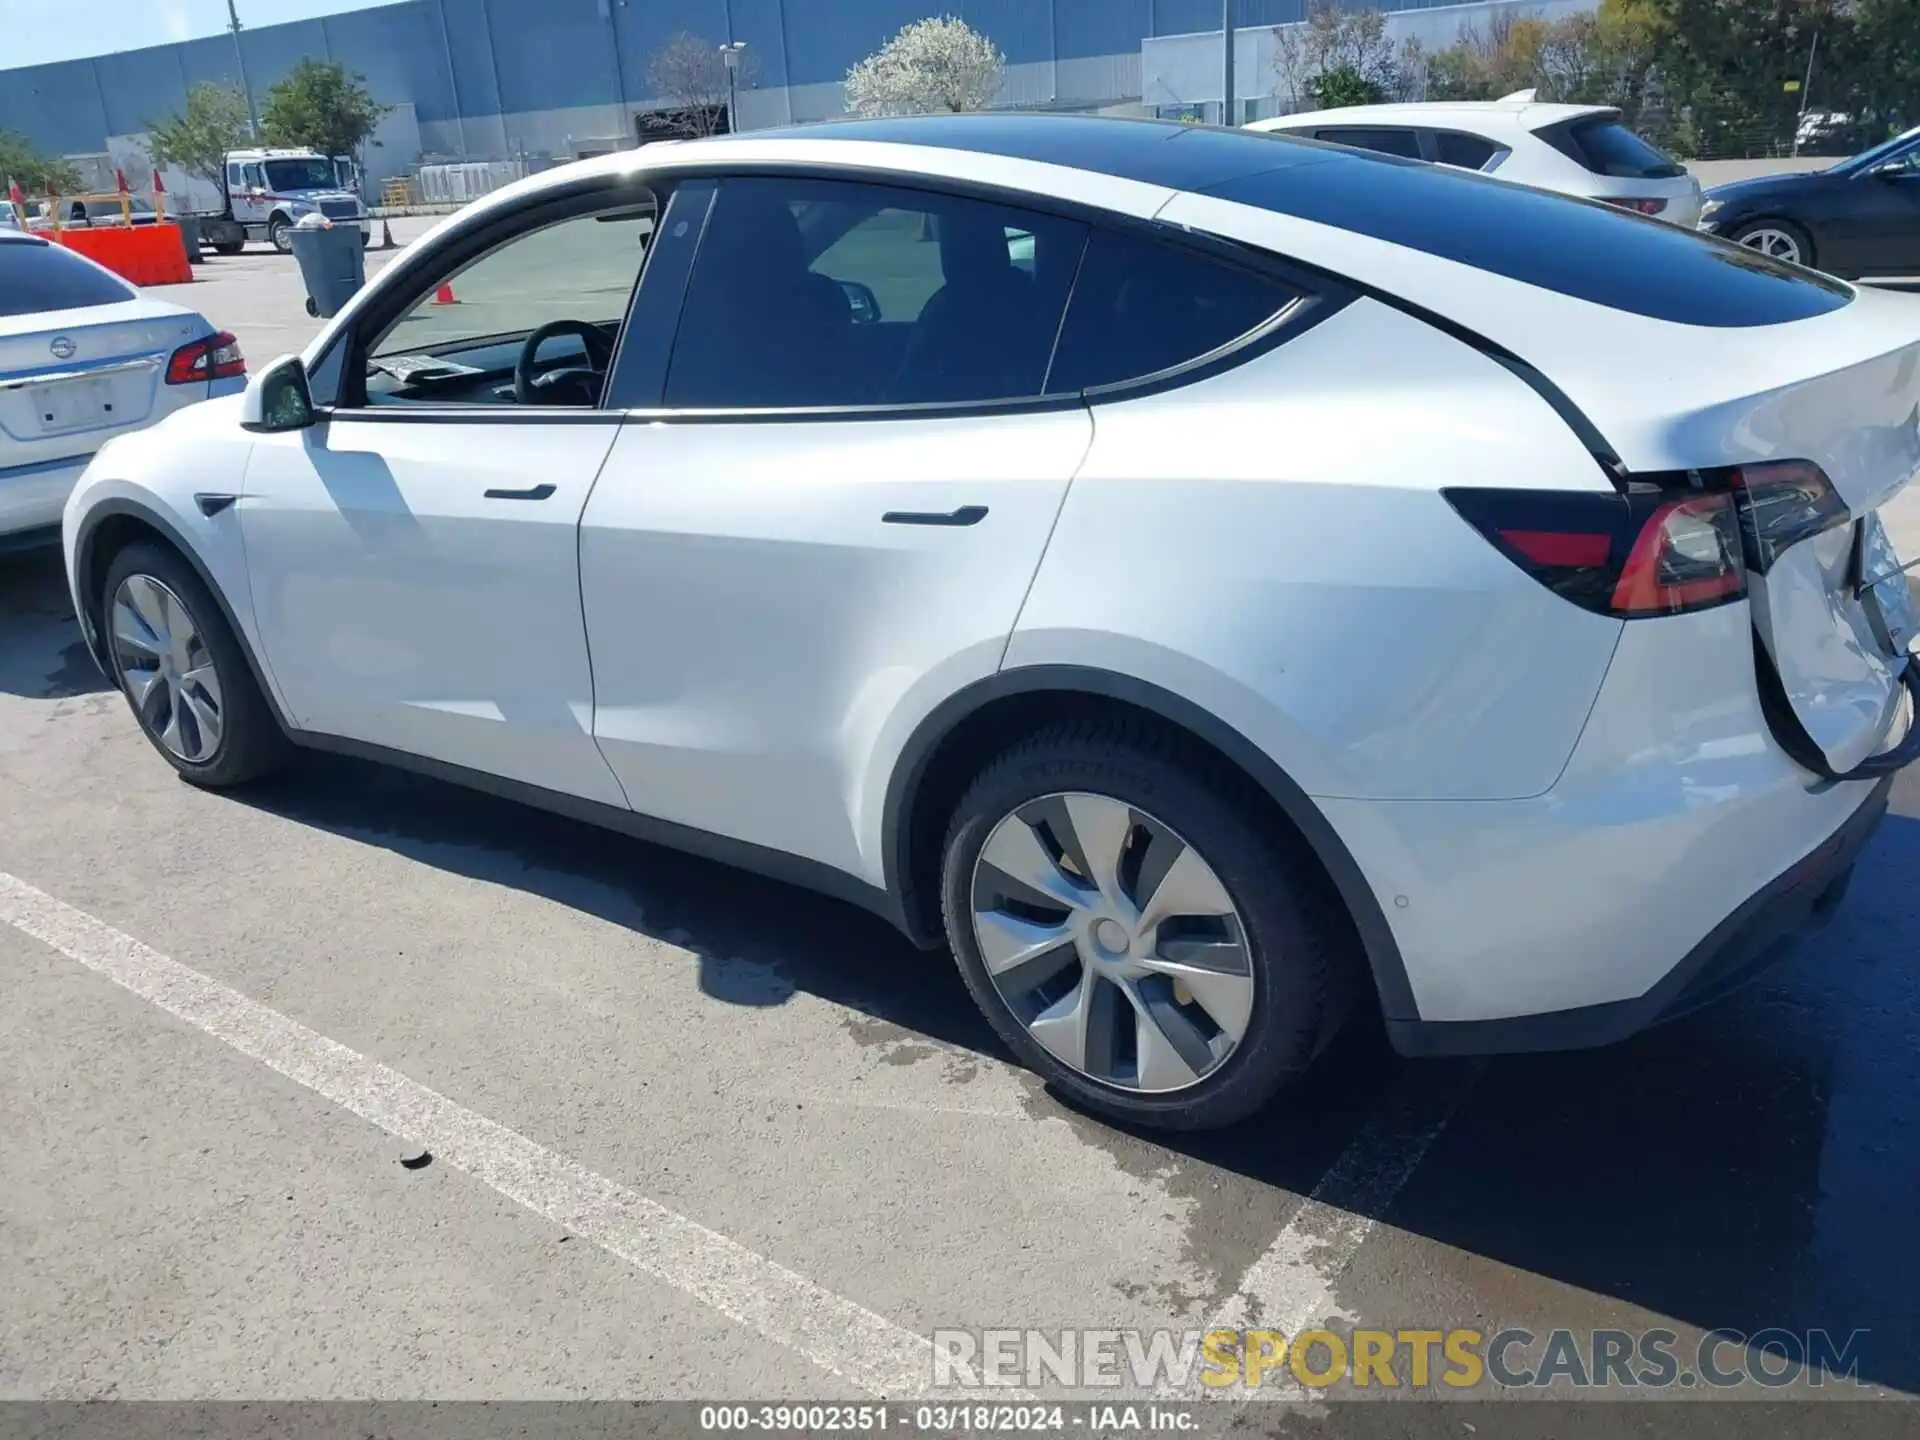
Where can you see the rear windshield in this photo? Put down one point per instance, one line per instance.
(1606, 147)
(35, 276)
(1581, 248)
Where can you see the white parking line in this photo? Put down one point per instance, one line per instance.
(1289, 1288)
(835, 1333)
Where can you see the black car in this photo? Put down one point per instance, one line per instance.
(1860, 217)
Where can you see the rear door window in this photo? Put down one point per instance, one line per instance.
(35, 276)
(823, 293)
(1468, 152)
(1606, 147)
(1141, 308)
(1384, 140)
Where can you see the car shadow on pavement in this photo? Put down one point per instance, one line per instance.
(759, 941)
(42, 655)
(1752, 1166)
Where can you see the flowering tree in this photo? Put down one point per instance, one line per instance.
(932, 66)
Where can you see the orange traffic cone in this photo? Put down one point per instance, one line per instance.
(444, 295)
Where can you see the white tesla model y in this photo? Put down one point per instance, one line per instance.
(1202, 577)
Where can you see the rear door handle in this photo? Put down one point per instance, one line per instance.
(965, 515)
(537, 492)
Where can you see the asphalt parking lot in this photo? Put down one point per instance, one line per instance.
(696, 1134)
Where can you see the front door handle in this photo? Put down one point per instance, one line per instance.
(965, 515)
(537, 492)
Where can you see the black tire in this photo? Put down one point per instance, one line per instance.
(1304, 966)
(230, 247)
(279, 236)
(1797, 233)
(251, 744)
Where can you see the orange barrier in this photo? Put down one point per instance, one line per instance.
(142, 254)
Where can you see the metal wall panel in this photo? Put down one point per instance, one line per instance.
(552, 54)
(489, 78)
(639, 31)
(138, 86)
(1108, 27)
(57, 107)
(763, 25)
(397, 48)
(273, 50)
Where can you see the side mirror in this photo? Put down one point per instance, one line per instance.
(278, 398)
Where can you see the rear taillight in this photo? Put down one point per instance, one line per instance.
(1783, 504)
(1651, 552)
(1639, 204)
(1686, 557)
(217, 357)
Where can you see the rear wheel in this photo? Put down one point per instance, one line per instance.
(1134, 934)
(230, 247)
(183, 672)
(1776, 239)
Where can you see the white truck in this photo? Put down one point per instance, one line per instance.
(268, 191)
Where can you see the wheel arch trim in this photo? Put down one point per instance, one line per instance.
(910, 771)
(86, 582)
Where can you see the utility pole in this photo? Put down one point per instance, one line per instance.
(233, 14)
(1226, 62)
(1806, 89)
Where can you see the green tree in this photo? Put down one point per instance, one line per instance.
(321, 106)
(1343, 85)
(1888, 42)
(36, 174)
(197, 138)
(1728, 65)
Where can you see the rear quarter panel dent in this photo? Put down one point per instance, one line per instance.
(1272, 543)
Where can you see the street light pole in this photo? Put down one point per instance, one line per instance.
(233, 14)
(1806, 89)
(730, 57)
(1226, 62)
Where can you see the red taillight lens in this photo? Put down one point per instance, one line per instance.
(217, 357)
(1560, 550)
(1639, 204)
(1783, 504)
(1648, 553)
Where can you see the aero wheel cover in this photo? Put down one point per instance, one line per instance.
(166, 669)
(1113, 942)
(1775, 244)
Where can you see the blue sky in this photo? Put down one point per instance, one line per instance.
(40, 30)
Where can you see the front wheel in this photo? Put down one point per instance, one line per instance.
(1777, 240)
(1147, 943)
(280, 234)
(183, 671)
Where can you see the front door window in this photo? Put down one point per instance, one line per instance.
(531, 322)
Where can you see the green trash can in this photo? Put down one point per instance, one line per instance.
(332, 262)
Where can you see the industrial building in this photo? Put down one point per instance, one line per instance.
(546, 80)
